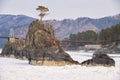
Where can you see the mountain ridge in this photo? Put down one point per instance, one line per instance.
(72, 26)
(62, 28)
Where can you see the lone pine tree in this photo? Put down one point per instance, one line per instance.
(43, 11)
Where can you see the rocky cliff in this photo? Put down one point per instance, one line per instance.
(42, 48)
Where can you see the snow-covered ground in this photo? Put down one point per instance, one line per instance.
(14, 69)
(0, 51)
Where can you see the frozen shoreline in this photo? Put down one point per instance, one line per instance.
(14, 69)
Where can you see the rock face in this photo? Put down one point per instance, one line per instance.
(99, 59)
(42, 48)
(13, 47)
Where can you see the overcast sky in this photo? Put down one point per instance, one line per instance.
(60, 9)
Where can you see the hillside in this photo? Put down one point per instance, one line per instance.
(65, 27)
(20, 24)
(62, 28)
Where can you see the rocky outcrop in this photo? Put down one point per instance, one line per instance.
(13, 47)
(99, 59)
(42, 48)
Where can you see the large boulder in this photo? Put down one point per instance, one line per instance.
(13, 48)
(42, 48)
(99, 59)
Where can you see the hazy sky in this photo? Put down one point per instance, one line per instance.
(60, 9)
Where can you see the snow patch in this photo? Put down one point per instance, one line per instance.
(0, 51)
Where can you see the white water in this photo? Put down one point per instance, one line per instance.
(14, 69)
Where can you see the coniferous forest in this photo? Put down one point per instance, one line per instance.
(105, 36)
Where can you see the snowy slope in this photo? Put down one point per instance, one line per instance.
(14, 69)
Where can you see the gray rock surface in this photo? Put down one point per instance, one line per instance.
(99, 59)
(13, 47)
(42, 48)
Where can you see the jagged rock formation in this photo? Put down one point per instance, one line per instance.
(99, 59)
(13, 47)
(42, 48)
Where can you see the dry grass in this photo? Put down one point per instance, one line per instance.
(50, 63)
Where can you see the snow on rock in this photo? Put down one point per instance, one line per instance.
(14, 69)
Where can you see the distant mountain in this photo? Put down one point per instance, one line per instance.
(20, 24)
(65, 27)
(62, 28)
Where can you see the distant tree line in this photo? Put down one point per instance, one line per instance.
(109, 35)
(79, 39)
(83, 36)
(105, 36)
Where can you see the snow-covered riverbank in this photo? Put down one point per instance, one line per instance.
(14, 69)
